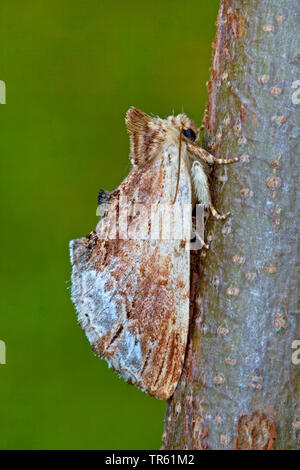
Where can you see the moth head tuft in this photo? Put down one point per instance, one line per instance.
(146, 136)
(183, 123)
(136, 120)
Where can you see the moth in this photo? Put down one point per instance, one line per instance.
(131, 293)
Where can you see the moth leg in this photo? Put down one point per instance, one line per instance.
(198, 235)
(216, 214)
(200, 184)
(205, 245)
(207, 157)
(202, 190)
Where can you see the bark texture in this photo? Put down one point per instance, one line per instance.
(239, 388)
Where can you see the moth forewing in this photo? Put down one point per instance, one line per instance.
(131, 290)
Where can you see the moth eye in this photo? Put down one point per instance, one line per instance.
(189, 133)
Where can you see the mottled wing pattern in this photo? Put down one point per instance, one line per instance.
(132, 295)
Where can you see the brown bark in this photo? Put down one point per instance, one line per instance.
(240, 388)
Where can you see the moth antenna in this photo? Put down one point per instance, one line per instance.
(179, 165)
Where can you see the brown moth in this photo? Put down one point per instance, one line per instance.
(130, 288)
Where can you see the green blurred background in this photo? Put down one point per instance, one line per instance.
(72, 69)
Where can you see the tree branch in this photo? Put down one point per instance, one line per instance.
(239, 387)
